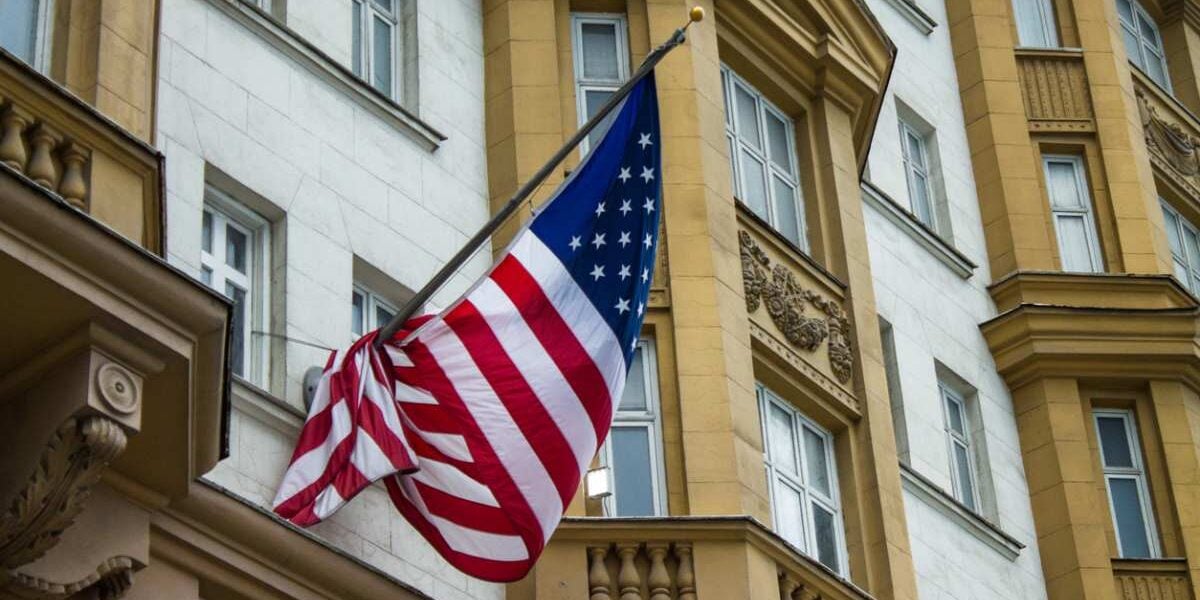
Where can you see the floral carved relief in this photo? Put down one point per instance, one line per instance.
(786, 302)
(1170, 143)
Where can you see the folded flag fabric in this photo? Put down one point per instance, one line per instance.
(482, 419)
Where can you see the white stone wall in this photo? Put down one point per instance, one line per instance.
(348, 183)
(935, 316)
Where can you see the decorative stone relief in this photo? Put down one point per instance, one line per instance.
(1055, 91)
(53, 496)
(1169, 143)
(786, 301)
(118, 388)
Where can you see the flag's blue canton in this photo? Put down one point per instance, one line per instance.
(603, 223)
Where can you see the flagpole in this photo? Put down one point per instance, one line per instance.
(518, 197)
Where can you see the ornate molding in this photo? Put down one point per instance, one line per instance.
(786, 301)
(1055, 90)
(110, 581)
(1172, 145)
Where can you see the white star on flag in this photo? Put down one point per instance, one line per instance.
(649, 205)
(644, 140)
(624, 241)
(599, 209)
(575, 243)
(599, 241)
(625, 207)
(622, 306)
(647, 174)
(648, 241)
(624, 272)
(645, 275)
(641, 308)
(624, 174)
(597, 272)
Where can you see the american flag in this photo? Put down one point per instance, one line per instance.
(482, 419)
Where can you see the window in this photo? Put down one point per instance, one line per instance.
(1035, 23)
(601, 54)
(1078, 245)
(233, 253)
(916, 170)
(762, 152)
(1125, 479)
(633, 450)
(24, 30)
(802, 476)
(368, 311)
(1143, 42)
(1185, 247)
(375, 23)
(958, 438)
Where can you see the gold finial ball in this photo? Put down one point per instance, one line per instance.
(697, 14)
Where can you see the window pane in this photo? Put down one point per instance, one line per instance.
(954, 416)
(754, 185)
(357, 313)
(1063, 186)
(633, 484)
(786, 219)
(1130, 521)
(747, 117)
(1073, 243)
(381, 56)
(920, 198)
(238, 333)
(818, 464)
(634, 396)
(1181, 273)
(1191, 246)
(1173, 233)
(206, 233)
(962, 465)
(599, 42)
(384, 5)
(826, 533)
(382, 316)
(916, 149)
(1156, 69)
(206, 276)
(1132, 47)
(18, 24)
(789, 520)
(1149, 33)
(593, 100)
(235, 248)
(1114, 442)
(1035, 23)
(1125, 10)
(777, 136)
(356, 38)
(782, 440)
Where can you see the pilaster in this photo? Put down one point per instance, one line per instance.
(1177, 415)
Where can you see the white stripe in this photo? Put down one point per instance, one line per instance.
(450, 444)
(451, 480)
(407, 393)
(369, 459)
(576, 309)
(398, 356)
(312, 464)
(328, 502)
(538, 369)
(462, 539)
(503, 435)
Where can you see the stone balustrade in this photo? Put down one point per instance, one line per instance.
(69, 148)
(1165, 579)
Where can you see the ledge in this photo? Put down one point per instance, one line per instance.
(915, 15)
(332, 72)
(983, 529)
(918, 231)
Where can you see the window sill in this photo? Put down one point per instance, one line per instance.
(915, 15)
(919, 232)
(320, 64)
(261, 405)
(986, 531)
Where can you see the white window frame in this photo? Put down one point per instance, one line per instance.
(1036, 16)
(799, 482)
(371, 301)
(42, 35)
(368, 10)
(583, 83)
(225, 210)
(1184, 257)
(1145, 51)
(1084, 210)
(955, 440)
(737, 145)
(914, 167)
(1137, 473)
(649, 420)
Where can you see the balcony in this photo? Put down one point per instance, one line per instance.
(796, 309)
(68, 147)
(1172, 134)
(1163, 579)
(1054, 88)
(676, 558)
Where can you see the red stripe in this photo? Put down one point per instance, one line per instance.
(524, 406)
(559, 341)
(302, 500)
(461, 511)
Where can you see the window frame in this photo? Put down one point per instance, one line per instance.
(733, 126)
(1137, 473)
(651, 421)
(955, 439)
(372, 300)
(911, 167)
(226, 210)
(1140, 16)
(1188, 263)
(799, 481)
(583, 83)
(366, 46)
(1086, 211)
(1046, 23)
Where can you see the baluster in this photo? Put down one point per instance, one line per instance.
(658, 579)
(41, 163)
(598, 580)
(628, 578)
(685, 576)
(787, 585)
(73, 187)
(12, 146)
